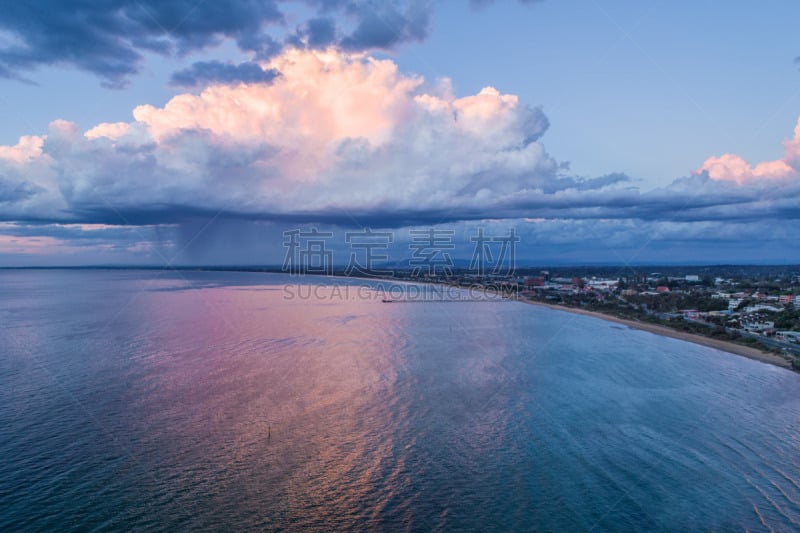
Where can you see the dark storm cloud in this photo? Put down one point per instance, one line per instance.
(204, 73)
(321, 32)
(109, 38)
(383, 25)
(316, 33)
(15, 191)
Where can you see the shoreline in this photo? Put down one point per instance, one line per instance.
(656, 329)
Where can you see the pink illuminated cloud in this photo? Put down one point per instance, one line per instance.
(333, 130)
(28, 148)
(731, 167)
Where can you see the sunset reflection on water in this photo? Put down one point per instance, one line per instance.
(196, 400)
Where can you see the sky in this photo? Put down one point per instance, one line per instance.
(192, 132)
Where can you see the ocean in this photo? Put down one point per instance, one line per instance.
(188, 400)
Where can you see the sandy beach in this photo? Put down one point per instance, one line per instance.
(731, 347)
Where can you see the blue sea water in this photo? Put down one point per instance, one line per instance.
(210, 400)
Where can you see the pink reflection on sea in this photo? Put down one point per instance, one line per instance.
(290, 397)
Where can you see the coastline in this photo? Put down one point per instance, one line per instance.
(725, 346)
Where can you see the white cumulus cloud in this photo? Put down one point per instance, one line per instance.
(334, 132)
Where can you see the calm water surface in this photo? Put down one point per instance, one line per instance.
(207, 401)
